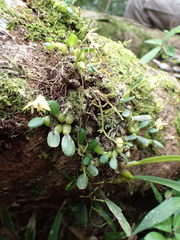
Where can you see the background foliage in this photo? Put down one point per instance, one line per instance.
(114, 7)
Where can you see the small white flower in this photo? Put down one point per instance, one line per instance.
(39, 103)
(160, 124)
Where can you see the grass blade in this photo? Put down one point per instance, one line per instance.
(163, 181)
(157, 194)
(31, 229)
(154, 41)
(159, 214)
(117, 212)
(100, 210)
(171, 33)
(168, 158)
(6, 219)
(150, 55)
(53, 234)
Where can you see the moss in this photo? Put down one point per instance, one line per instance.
(118, 30)
(13, 91)
(77, 102)
(118, 72)
(49, 21)
(8, 13)
(177, 123)
(170, 86)
(126, 76)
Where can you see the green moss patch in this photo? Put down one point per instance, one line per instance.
(177, 123)
(12, 94)
(121, 30)
(43, 19)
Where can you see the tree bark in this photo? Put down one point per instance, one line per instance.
(29, 168)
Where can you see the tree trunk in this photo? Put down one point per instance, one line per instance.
(29, 168)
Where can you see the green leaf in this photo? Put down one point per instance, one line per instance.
(68, 145)
(157, 194)
(88, 50)
(159, 214)
(70, 185)
(113, 163)
(125, 100)
(154, 236)
(92, 170)
(176, 236)
(104, 159)
(150, 55)
(170, 50)
(31, 229)
(131, 137)
(165, 226)
(69, 10)
(86, 159)
(157, 143)
(92, 145)
(126, 113)
(163, 181)
(91, 68)
(72, 40)
(129, 144)
(141, 118)
(80, 213)
(176, 222)
(175, 193)
(114, 235)
(168, 158)
(171, 33)
(154, 41)
(82, 181)
(117, 212)
(98, 149)
(49, 46)
(36, 122)
(143, 140)
(54, 231)
(153, 130)
(53, 139)
(2, 237)
(54, 106)
(144, 124)
(6, 219)
(82, 136)
(100, 210)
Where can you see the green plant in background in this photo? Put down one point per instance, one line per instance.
(156, 216)
(161, 46)
(30, 230)
(165, 217)
(114, 7)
